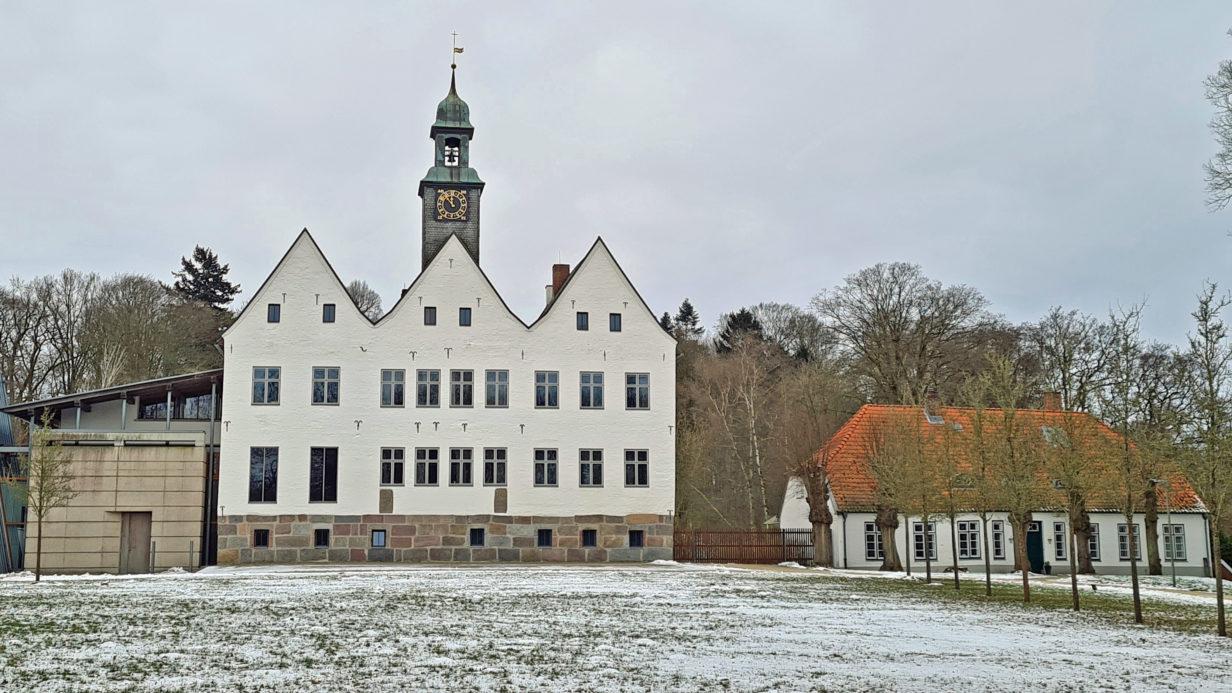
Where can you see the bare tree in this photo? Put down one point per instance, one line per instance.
(1073, 350)
(904, 459)
(797, 332)
(366, 299)
(49, 482)
(1219, 168)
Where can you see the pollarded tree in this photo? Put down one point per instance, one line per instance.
(204, 279)
(904, 463)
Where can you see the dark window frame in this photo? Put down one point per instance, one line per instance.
(465, 316)
(589, 538)
(544, 537)
(637, 539)
(261, 538)
(267, 491)
(323, 474)
(384, 543)
(329, 312)
(583, 321)
(273, 312)
(615, 322)
(317, 534)
(478, 537)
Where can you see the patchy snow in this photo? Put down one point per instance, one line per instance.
(604, 628)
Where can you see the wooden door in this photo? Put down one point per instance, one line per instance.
(135, 542)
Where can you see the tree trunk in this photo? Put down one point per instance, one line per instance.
(887, 522)
(1151, 521)
(1020, 556)
(1073, 566)
(928, 554)
(1133, 562)
(38, 550)
(987, 556)
(1217, 566)
(954, 547)
(823, 545)
(1080, 520)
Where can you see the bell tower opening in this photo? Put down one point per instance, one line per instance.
(453, 151)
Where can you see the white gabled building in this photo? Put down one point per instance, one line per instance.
(449, 429)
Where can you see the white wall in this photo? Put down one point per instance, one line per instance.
(497, 340)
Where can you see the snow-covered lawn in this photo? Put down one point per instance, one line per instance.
(659, 627)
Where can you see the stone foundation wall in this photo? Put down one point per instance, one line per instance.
(422, 538)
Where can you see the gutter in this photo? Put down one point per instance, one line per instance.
(844, 514)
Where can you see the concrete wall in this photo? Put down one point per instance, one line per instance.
(167, 481)
(114, 416)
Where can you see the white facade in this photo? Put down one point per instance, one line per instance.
(856, 539)
(359, 426)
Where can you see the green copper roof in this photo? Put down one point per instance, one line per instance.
(453, 112)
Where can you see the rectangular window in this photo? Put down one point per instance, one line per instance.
(263, 475)
(428, 388)
(1174, 542)
(998, 539)
(461, 388)
(591, 462)
(323, 475)
(393, 388)
(1123, 542)
(464, 317)
(273, 313)
(583, 321)
(592, 390)
(1093, 541)
(918, 539)
(260, 538)
(477, 536)
(328, 312)
(968, 539)
(637, 390)
(429, 315)
(872, 542)
(392, 465)
(460, 464)
(378, 538)
(637, 467)
(1060, 539)
(543, 538)
(590, 538)
(325, 382)
(547, 389)
(545, 467)
(320, 538)
(613, 322)
(265, 384)
(426, 463)
(494, 466)
(496, 388)
(637, 538)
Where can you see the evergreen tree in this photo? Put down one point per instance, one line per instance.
(688, 321)
(735, 326)
(666, 322)
(204, 279)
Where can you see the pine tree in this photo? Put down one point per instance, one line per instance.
(204, 279)
(735, 326)
(688, 321)
(666, 322)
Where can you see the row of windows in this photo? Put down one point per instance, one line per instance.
(329, 312)
(544, 538)
(327, 388)
(323, 470)
(969, 546)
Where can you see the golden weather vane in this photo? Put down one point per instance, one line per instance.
(453, 61)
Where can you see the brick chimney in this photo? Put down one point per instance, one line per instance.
(560, 272)
(1052, 401)
(932, 403)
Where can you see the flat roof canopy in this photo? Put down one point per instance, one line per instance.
(187, 385)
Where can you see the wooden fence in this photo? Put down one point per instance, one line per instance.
(743, 546)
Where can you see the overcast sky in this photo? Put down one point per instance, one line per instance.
(1043, 153)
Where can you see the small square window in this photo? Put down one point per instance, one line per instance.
(378, 538)
(273, 312)
(260, 538)
(328, 312)
(543, 538)
(583, 321)
(320, 538)
(637, 538)
(429, 315)
(613, 322)
(477, 536)
(590, 538)
(464, 317)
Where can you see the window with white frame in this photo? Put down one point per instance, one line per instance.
(590, 467)
(460, 463)
(968, 538)
(547, 389)
(637, 467)
(427, 388)
(265, 384)
(1060, 540)
(545, 466)
(1124, 541)
(591, 395)
(496, 388)
(494, 464)
(325, 383)
(637, 390)
(1093, 541)
(873, 550)
(393, 461)
(997, 535)
(1174, 542)
(427, 461)
(461, 388)
(393, 387)
(918, 540)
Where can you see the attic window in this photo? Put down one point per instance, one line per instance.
(1058, 484)
(934, 419)
(1054, 436)
(273, 312)
(453, 151)
(328, 312)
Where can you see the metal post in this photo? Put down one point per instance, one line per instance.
(77, 422)
(124, 412)
(168, 408)
(153, 555)
(206, 539)
(190, 555)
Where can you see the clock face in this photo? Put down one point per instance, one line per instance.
(451, 205)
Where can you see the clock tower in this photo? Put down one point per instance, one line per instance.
(451, 189)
